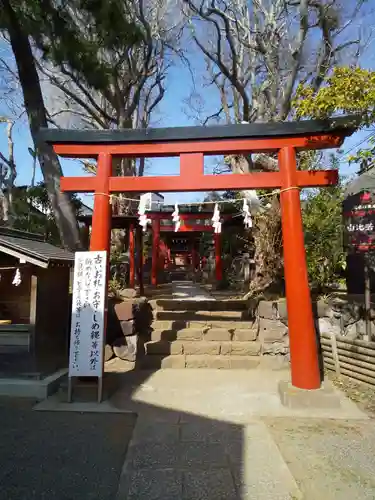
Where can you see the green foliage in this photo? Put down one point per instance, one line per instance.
(78, 33)
(322, 218)
(346, 90)
(34, 212)
(365, 158)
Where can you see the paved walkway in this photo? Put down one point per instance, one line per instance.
(187, 290)
(223, 435)
(215, 435)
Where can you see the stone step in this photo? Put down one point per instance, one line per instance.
(202, 347)
(201, 315)
(199, 305)
(203, 324)
(206, 334)
(181, 334)
(199, 361)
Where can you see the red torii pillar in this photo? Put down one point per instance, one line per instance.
(102, 215)
(303, 345)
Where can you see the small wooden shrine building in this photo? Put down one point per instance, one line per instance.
(34, 303)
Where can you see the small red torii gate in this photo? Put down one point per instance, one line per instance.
(191, 144)
(157, 229)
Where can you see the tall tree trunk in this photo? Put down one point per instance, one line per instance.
(34, 106)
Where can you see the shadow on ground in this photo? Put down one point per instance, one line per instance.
(58, 455)
(147, 446)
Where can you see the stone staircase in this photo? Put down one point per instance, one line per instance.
(202, 334)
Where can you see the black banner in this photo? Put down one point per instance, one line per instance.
(359, 222)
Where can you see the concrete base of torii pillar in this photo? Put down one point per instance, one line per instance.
(295, 398)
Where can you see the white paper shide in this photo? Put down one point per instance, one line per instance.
(87, 328)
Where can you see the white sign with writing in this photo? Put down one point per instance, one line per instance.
(87, 328)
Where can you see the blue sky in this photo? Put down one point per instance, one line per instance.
(171, 112)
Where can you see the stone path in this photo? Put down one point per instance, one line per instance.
(187, 290)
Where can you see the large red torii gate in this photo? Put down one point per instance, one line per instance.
(191, 144)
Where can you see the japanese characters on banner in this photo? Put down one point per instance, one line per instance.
(87, 327)
(359, 222)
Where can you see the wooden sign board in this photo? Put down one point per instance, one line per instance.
(87, 326)
(359, 222)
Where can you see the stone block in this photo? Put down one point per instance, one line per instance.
(245, 348)
(128, 293)
(108, 352)
(210, 348)
(245, 335)
(277, 362)
(243, 362)
(271, 330)
(127, 327)
(228, 315)
(173, 362)
(351, 332)
(326, 326)
(124, 310)
(323, 309)
(282, 310)
(267, 309)
(198, 324)
(218, 334)
(233, 325)
(164, 347)
(184, 334)
(163, 325)
(189, 334)
(324, 397)
(160, 361)
(273, 348)
(229, 305)
(181, 316)
(225, 348)
(126, 348)
(216, 362)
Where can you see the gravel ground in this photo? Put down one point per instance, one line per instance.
(330, 460)
(60, 456)
(362, 394)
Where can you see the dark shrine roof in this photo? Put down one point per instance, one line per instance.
(343, 125)
(32, 248)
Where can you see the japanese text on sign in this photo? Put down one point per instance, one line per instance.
(359, 222)
(87, 327)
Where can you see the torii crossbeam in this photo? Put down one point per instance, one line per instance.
(191, 144)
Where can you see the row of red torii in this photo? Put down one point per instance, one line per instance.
(191, 144)
(162, 227)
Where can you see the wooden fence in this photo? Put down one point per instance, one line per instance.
(353, 358)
